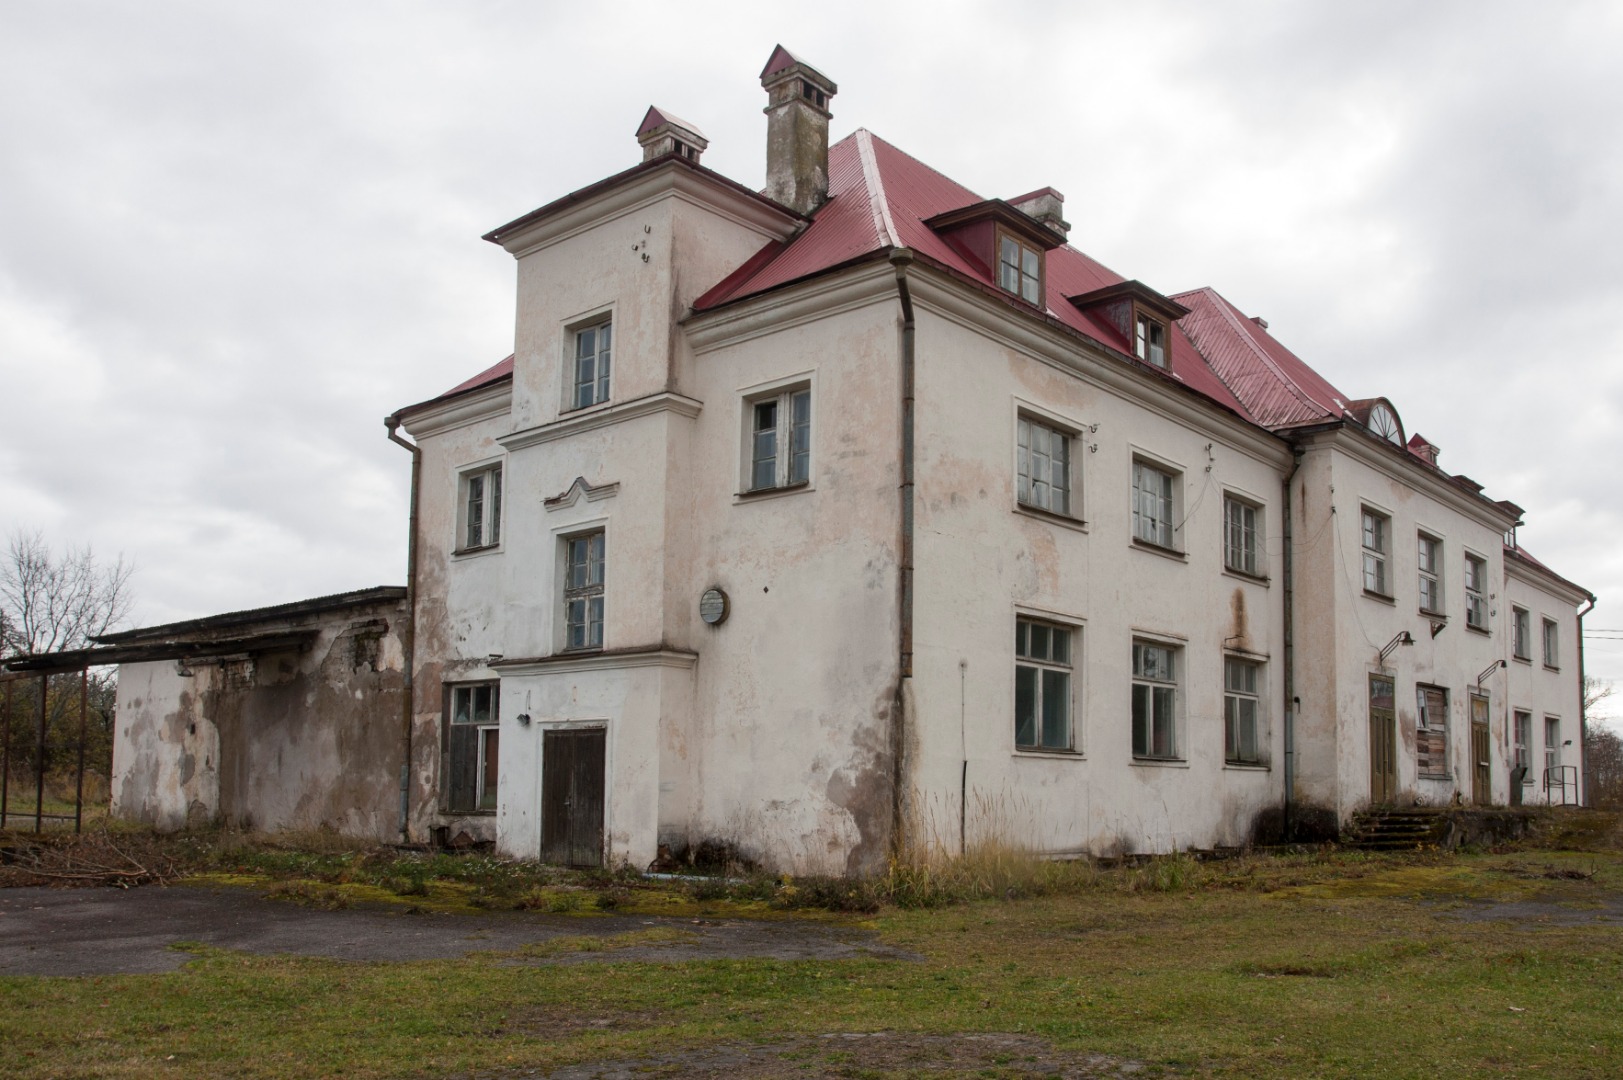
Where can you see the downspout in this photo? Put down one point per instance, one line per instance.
(408, 636)
(901, 259)
(1583, 710)
(1287, 572)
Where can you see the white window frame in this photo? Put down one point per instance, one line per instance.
(585, 393)
(1032, 491)
(1048, 666)
(1375, 538)
(1242, 539)
(1552, 747)
(1238, 699)
(1522, 739)
(1431, 560)
(1151, 339)
(792, 441)
(1521, 647)
(1552, 644)
(1476, 592)
(486, 731)
(589, 594)
(1155, 512)
(1158, 691)
(485, 515)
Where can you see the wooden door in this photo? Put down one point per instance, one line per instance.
(572, 797)
(1481, 754)
(1383, 741)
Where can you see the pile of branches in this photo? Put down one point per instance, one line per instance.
(89, 859)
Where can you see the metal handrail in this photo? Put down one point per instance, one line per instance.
(1557, 779)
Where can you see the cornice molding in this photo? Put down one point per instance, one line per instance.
(569, 663)
(662, 402)
(1545, 579)
(645, 189)
(781, 309)
(460, 411)
(1372, 452)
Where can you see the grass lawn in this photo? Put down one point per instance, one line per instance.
(1316, 964)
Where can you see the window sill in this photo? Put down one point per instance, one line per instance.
(577, 410)
(1434, 616)
(582, 650)
(1483, 630)
(1255, 579)
(1066, 520)
(1528, 660)
(761, 494)
(1158, 549)
(467, 813)
(475, 552)
(1047, 752)
(1371, 594)
(1247, 766)
(1160, 763)
(1552, 667)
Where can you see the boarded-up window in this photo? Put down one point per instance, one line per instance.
(1431, 731)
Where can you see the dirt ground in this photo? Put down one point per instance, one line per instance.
(134, 931)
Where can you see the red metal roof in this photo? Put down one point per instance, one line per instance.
(498, 370)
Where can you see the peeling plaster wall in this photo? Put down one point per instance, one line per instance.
(983, 562)
(289, 740)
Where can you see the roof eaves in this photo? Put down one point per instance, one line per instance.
(315, 605)
(453, 395)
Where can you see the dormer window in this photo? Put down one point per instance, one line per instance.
(1020, 269)
(1149, 344)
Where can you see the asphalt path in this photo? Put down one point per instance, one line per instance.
(133, 931)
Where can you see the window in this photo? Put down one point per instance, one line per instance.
(1552, 749)
(481, 508)
(1552, 645)
(1376, 528)
(780, 440)
(1042, 686)
(1431, 731)
(583, 591)
(1152, 504)
(1431, 565)
(1524, 738)
(1242, 709)
(1242, 536)
(471, 740)
(1045, 467)
(1155, 701)
(1020, 269)
(1523, 645)
(1476, 590)
(1149, 341)
(592, 351)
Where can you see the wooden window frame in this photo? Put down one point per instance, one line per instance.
(1042, 667)
(1039, 280)
(485, 746)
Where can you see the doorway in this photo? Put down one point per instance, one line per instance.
(1481, 753)
(1383, 741)
(572, 797)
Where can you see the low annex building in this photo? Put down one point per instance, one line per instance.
(868, 511)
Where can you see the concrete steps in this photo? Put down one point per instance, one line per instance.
(1392, 829)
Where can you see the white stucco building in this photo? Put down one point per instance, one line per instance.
(869, 510)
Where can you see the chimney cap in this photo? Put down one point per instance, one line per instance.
(656, 117)
(782, 64)
(663, 132)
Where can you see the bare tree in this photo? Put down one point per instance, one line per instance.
(1595, 692)
(50, 601)
(1603, 754)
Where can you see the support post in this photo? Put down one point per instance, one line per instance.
(79, 785)
(5, 758)
(39, 759)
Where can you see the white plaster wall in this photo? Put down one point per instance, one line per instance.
(1536, 687)
(166, 753)
(982, 561)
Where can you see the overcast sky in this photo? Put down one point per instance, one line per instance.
(234, 236)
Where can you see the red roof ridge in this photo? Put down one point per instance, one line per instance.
(1227, 311)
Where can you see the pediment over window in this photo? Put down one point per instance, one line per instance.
(572, 494)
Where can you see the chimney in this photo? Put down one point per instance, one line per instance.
(796, 131)
(663, 132)
(1047, 206)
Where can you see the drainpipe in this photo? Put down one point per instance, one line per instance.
(901, 259)
(1583, 711)
(1287, 571)
(408, 638)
